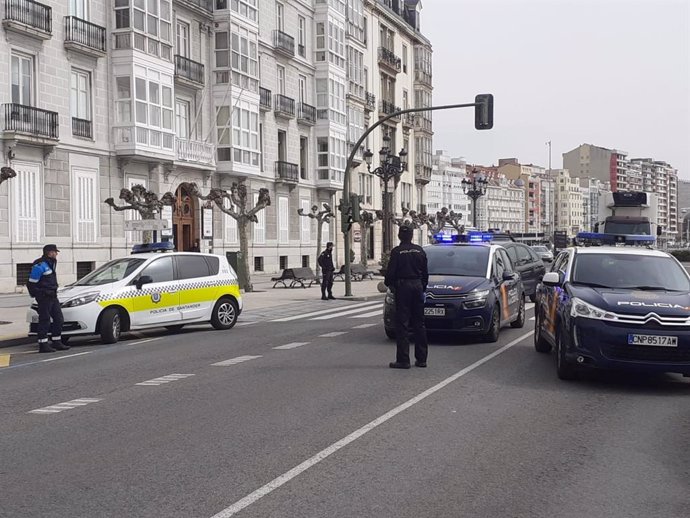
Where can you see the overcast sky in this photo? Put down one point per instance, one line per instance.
(614, 73)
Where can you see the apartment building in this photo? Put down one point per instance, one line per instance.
(503, 204)
(101, 96)
(532, 178)
(568, 202)
(592, 190)
(445, 187)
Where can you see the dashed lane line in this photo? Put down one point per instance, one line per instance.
(364, 326)
(324, 311)
(345, 313)
(369, 315)
(292, 345)
(61, 407)
(333, 334)
(56, 358)
(235, 361)
(164, 379)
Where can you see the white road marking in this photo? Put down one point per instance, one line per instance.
(369, 315)
(364, 326)
(529, 305)
(292, 345)
(67, 405)
(333, 334)
(235, 361)
(345, 313)
(144, 341)
(330, 450)
(165, 379)
(67, 356)
(532, 318)
(323, 311)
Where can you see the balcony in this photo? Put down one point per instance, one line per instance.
(31, 122)
(284, 43)
(82, 128)
(85, 37)
(264, 99)
(388, 108)
(202, 7)
(195, 152)
(408, 120)
(284, 106)
(422, 174)
(370, 101)
(287, 172)
(329, 179)
(389, 60)
(28, 17)
(189, 72)
(422, 76)
(306, 114)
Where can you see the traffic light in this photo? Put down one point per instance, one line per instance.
(355, 200)
(484, 111)
(345, 217)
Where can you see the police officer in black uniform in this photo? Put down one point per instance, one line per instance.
(407, 276)
(327, 271)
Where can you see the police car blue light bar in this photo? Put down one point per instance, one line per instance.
(596, 238)
(447, 238)
(145, 248)
(469, 237)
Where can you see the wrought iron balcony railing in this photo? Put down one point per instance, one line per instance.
(264, 98)
(85, 34)
(371, 101)
(29, 13)
(189, 69)
(287, 171)
(388, 58)
(284, 42)
(82, 128)
(306, 113)
(30, 120)
(387, 107)
(284, 106)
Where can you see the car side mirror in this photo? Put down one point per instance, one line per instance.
(508, 276)
(144, 279)
(552, 279)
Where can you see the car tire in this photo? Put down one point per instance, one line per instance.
(175, 328)
(519, 322)
(224, 314)
(390, 333)
(564, 369)
(491, 336)
(65, 339)
(540, 343)
(111, 326)
(533, 298)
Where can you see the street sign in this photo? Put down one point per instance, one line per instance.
(208, 223)
(357, 236)
(139, 225)
(560, 239)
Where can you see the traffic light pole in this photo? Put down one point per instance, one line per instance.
(346, 205)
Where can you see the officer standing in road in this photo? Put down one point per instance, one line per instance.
(407, 276)
(43, 287)
(327, 270)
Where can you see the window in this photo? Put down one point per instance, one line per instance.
(322, 152)
(154, 108)
(283, 262)
(499, 267)
(302, 89)
(182, 39)
(366, 187)
(79, 8)
(336, 43)
(242, 56)
(305, 261)
(27, 202)
(85, 205)
(356, 72)
(191, 267)
(230, 224)
(160, 270)
(330, 99)
(123, 100)
(404, 59)
(260, 224)
(305, 233)
(355, 18)
(80, 95)
(245, 133)
(355, 119)
(280, 77)
(23, 272)
(280, 16)
(213, 264)
(22, 79)
(182, 118)
(258, 264)
(122, 20)
(320, 41)
(283, 220)
(84, 268)
(302, 36)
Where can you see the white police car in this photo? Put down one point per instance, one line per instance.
(149, 289)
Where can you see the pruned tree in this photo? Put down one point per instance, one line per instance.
(366, 223)
(239, 209)
(321, 216)
(6, 173)
(442, 219)
(145, 202)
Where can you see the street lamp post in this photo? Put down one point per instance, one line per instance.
(390, 168)
(474, 189)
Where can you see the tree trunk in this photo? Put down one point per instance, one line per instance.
(319, 236)
(243, 228)
(364, 244)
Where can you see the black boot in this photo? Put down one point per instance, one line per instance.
(331, 297)
(398, 365)
(323, 296)
(58, 345)
(44, 347)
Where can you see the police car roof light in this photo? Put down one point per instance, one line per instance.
(447, 238)
(596, 238)
(144, 248)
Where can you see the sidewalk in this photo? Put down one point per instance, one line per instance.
(13, 325)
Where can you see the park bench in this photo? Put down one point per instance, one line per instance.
(358, 272)
(294, 277)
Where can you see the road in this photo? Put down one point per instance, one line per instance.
(303, 418)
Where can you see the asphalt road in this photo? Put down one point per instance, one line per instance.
(302, 425)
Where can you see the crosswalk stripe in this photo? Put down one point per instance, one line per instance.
(164, 379)
(368, 315)
(333, 334)
(235, 361)
(324, 311)
(529, 305)
(364, 326)
(67, 405)
(291, 345)
(345, 313)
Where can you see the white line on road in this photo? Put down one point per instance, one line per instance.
(330, 310)
(323, 454)
(529, 305)
(345, 313)
(532, 318)
(369, 315)
(240, 324)
(67, 405)
(333, 334)
(291, 345)
(147, 340)
(364, 326)
(164, 379)
(67, 356)
(235, 361)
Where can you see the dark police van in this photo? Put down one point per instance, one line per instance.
(473, 288)
(617, 307)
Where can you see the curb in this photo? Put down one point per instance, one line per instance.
(12, 342)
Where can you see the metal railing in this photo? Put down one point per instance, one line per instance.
(387, 107)
(264, 98)
(284, 42)
(287, 171)
(84, 33)
(284, 105)
(194, 151)
(82, 128)
(387, 57)
(35, 121)
(206, 5)
(371, 100)
(306, 113)
(30, 13)
(189, 69)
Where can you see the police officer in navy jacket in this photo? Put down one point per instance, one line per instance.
(43, 287)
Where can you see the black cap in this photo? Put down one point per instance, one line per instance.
(405, 232)
(50, 248)
(330, 243)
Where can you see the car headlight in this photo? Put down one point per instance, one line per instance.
(80, 300)
(476, 299)
(580, 308)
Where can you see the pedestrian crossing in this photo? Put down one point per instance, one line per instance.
(164, 379)
(61, 407)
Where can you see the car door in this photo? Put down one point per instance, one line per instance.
(527, 268)
(197, 289)
(512, 285)
(500, 260)
(156, 303)
(548, 307)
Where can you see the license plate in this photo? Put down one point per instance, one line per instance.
(655, 340)
(435, 312)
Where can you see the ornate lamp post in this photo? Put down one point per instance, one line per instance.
(474, 188)
(390, 168)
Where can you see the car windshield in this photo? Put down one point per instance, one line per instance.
(540, 249)
(629, 271)
(111, 272)
(469, 261)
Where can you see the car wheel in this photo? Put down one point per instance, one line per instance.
(519, 322)
(492, 334)
(65, 339)
(111, 326)
(564, 369)
(175, 328)
(390, 333)
(224, 314)
(540, 343)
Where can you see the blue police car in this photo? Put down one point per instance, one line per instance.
(617, 307)
(473, 288)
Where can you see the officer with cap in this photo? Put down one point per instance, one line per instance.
(407, 276)
(43, 287)
(325, 261)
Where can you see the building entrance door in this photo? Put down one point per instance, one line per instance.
(184, 221)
